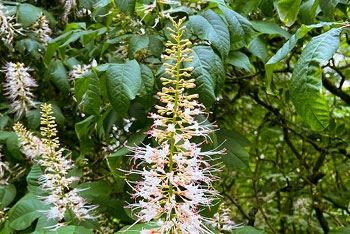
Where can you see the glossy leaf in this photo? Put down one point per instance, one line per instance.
(208, 72)
(239, 59)
(7, 194)
(25, 211)
(28, 14)
(88, 93)
(286, 49)
(209, 26)
(288, 11)
(59, 76)
(306, 81)
(236, 156)
(73, 230)
(270, 28)
(248, 230)
(328, 8)
(123, 83)
(258, 48)
(241, 30)
(137, 43)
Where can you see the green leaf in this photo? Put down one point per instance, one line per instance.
(59, 76)
(270, 28)
(285, 49)
(33, 185)
(131, 229)
(241, 30)
(7, 194)
(258, 48)
(236, 156)
(12, 143)
(33, 118)
(343, 230)
(137, 43)
(73, 230)
(126, 6)
(96, 191)
(288, 11)
(88, 93)
(306, 81)
(247, 230)
(123, 83)
(147, 80)
(328, 8)
(208, 72)
(28, 14)
(239, 59)
(25, 211)
(33, 47)
(307, 12)
(209, 26)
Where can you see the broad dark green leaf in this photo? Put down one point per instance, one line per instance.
(248, 230)
(210, 26)
(7, 194)
(96, 191)
(208, 72)
(285, 49)
(12, 143)
(90, 100)
(137, 43)
(239, 59)
(131, 229)
(59, 76)
(33, 185)
(25, 211)
(307, 12)
(123, 84)
(147, 80)
(270, 28)
(241, 30)
(28, 14)
(288, 11)
(126, 6)
(258, 48)
(73, 230)
(236, 156)
(306, 81)
(33, 47)
(33, 118)
(328, 7)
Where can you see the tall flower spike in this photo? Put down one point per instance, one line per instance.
(55, 180)
(18, 87)
(8, 29)
(42, 29)
(176, 175)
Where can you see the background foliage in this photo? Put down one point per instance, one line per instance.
(274, 74)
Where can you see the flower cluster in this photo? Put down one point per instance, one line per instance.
(222, 220)
(42, 29)
(8, 28)
(68, 6)
(55, 180)
(177, 175)
(18, 87)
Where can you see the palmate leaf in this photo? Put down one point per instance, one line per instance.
(123, 83)
(209, 26)
(208, 72)
(306, 81)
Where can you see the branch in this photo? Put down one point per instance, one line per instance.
(336, 91)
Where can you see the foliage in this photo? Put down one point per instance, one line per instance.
(274, 75)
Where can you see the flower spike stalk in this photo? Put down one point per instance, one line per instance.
(176, 175)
